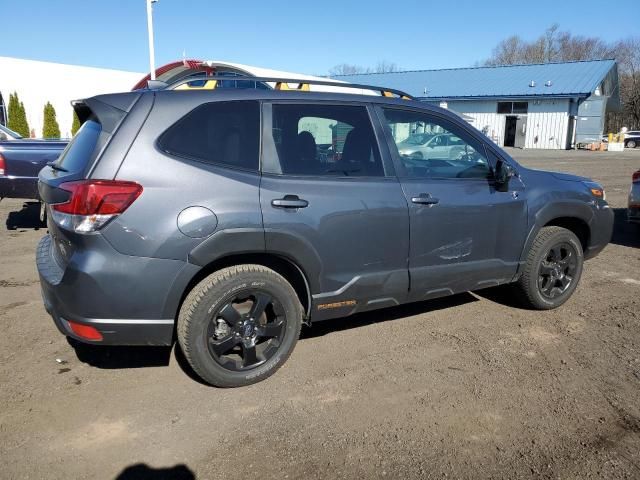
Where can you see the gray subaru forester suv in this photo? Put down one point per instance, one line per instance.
(227, 218)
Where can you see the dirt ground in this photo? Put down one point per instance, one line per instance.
(469, 386)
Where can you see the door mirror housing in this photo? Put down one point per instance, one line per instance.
(503, 174)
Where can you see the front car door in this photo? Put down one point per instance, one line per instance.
(465, 234)
(332, 204)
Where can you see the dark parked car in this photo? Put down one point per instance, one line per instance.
(212, 216)
(20, 161)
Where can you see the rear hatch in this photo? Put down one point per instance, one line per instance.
(101, 117)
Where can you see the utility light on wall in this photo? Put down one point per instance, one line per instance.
(548, 83)
(532, 83)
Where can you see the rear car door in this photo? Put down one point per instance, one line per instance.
(465, 234)
(332, 204)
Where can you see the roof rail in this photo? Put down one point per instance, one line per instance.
(210, 82)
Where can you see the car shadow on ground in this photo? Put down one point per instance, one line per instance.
(625, 233)
(141, 471)
(120, 357)
(124, 357)
(27, 217)
(386, 314)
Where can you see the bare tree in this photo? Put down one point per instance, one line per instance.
(553, 45)
(383, 66)
(627, 54)
(347, 69)
(507, 52)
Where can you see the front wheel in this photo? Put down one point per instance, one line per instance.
(552, 270)
(632, 144)
(239, 325)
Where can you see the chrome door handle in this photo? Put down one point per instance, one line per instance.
(425, 199)
(289, 201)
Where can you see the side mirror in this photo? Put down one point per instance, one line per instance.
(3, 137)
(503, 174)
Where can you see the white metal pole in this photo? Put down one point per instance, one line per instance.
(152, 60)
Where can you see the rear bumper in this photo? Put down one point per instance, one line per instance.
(601, 231)
(125, 298)
(633, 214)
(18, 187)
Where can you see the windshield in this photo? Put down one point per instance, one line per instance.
(10, 132)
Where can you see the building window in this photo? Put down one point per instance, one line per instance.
(505, 107)
(513, 107)
(520, 107)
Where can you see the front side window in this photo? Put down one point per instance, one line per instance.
(450, 152)
(222, 133)
(325, 140)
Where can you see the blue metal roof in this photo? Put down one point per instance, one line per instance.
(570, 79)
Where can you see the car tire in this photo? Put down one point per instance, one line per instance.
(218, 313)
(631, 144)
(552, 270)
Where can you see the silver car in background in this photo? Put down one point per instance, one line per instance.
(632, 139)
(444, 146)
(633, 210)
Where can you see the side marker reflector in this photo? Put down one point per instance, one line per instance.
(85, 331)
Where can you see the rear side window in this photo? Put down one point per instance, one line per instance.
(325, 140)
(221, 133)
(75, 157)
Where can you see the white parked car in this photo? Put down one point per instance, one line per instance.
(632, 139)
(443, 146)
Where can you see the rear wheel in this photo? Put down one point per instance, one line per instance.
(632, 144)
(553, 269)
(239, 325)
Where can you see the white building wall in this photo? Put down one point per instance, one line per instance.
(39, 82)
(547, 124)
(484, 117)
(547, 121)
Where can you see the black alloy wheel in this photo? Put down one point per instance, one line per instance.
(552, 269)
(557, 270)
(246, 331)
(239, 325)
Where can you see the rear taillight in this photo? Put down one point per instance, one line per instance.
(93, 203)
(3, 165)
(635, 177)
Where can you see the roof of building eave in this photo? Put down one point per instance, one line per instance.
(567, 79)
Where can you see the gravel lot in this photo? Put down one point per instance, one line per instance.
(464, 387)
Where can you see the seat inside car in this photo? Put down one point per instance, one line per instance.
(357, 153)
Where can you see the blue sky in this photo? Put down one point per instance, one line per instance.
(302, 36)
